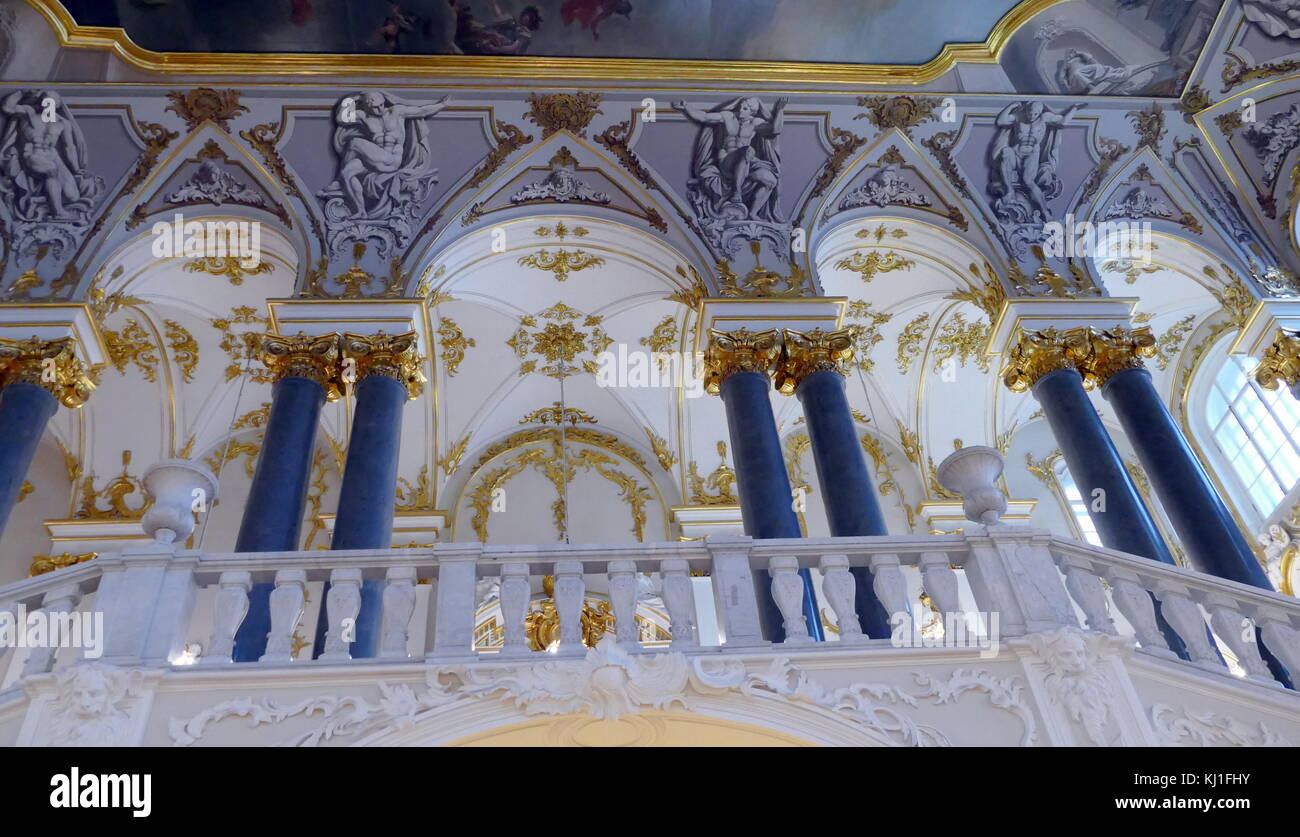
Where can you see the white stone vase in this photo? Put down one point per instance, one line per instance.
(972, 472)
(175, 486)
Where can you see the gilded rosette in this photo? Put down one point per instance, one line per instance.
(392, 355)
(1101, 353)
(1281, 363)
(1036, 354)
(805, 352)
(52, 364)
(742, 350)
(301, 356)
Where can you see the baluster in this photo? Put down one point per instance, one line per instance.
(343, 603)
(1135, 603)
(62, 599)
(1088, 593)
(622, 595)
(287, 601)
(1185, 617)
(1238, 633)
(229, 607)
(399, 604)
(569, 590)
(840, 588)
(453, 615)
(890, 585)
(514, 607)
(787, 589)
(1281, 638)
(940, 581)
(680, 602)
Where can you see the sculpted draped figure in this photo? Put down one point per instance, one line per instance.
(43, 159)
(1023, 161)
(384, 168)
(735, 166)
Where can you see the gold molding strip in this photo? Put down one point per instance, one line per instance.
(116, 41)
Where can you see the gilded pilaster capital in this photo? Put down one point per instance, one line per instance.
(1281, 362)
(52, 364)
(301, 356)
(806, 352)
(1099, 354)
(1036, 354)
(391, 355)
(742, 350)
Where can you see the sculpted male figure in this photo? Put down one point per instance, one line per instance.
(1024, 155)
(379, 155)
(47, 155)
(736, 162)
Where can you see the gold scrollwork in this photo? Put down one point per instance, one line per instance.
(227, 266)
(453, 343)
(451, 461)
(659, 446)
(873, 263)
(562, 262)
(570, 112)
(963, 341)
(563, 348)
(716, 490)
(42, 564)
(542, 626)
(558, 414)
(132, 345)
(114, 494)
(185, 350)
(417, 497)
(909, 341)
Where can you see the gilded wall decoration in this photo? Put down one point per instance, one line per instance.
(988, 297)
(417, 496)
(132, 344)
(909, 341)
(562, 262)
(242, 345)
(941, 145)
(902, 112)
(738, 198)
(1168, 344)
(662, 338)
(263, 139)
(1149, 124)
(508, 139)
(962, 341)
(659, 446)
(1111, 152)
(253, 418)
(455, 453)
(453, 343)
(843, 144)
(873, 263)
(110, 502)
(761, 281)
(1236, 71)
(204, 104)
(232, 450)
(615, 138)
(549, 342)
(696, 291)
(570, 112)
(866, 332)
(796, 445)
(156, 138)
(185, 350)
(1233, 296)
(880, 461)
(888, 186)
(557, 414)
(719, 488)
(42, 564)
(227, 266)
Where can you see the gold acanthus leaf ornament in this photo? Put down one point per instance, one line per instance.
(570, 112)
(42, 564)
(454, 454)
(185, 350)
(204, 104)
(393, 356)
(230, 267)
(806, 352)
(659, 446)
(869, 265)
(1281, 362)
(113, 494)
(50, 364)
(454, 343)
(132, 344)
(719, 488)
(741, 350)
(303, 356)
(562, 262)
(909, 341)
(542, 626)
(558, 414)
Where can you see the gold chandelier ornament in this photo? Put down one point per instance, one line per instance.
(50, 364)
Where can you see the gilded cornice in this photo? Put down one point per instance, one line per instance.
(116, 41)
(301, 356)
(1281, 362)
(742, 350)
(806, 352)
(51, 364)
(391, 355)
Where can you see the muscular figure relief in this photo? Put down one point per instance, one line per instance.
(1023, 160)
(43, 170)
(384, 169)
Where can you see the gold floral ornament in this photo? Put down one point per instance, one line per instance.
(113, 494)
(227, 266)
(42, 564)
(806, 352)
(301, 356)
(50, 364)
(542, 626)
(391, 355)
(562, 262)
(558, 414)
(1036, 354)
(1281, 362)
(742, 350)
(551, 343)
(867, 267)
(203, 104)
(1099, 354)
(570, 112)
(761, 281)
(719, 488)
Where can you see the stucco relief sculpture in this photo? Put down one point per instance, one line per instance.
(1023, 161)
(562, 185)
(44, 177)
(1137, 203)
(887, 187)
(384, 173)
(1274, 140)
(1080, 72)
(210, 184)
(91, 707)
(735, 180)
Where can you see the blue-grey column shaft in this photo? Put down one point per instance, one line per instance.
(848, 492)
(1214, 543)
(276, 500)
(766, 502)
(368, 496)
(25, 410)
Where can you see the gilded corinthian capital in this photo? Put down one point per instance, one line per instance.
(1036, 354)
(738, 351)
(52, 364)
(1281, 362)
(391, 355)
(806, 352)
(301, 356)
(1101, 353)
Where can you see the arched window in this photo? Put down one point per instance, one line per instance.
(1258, 431)
(1078, 505)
